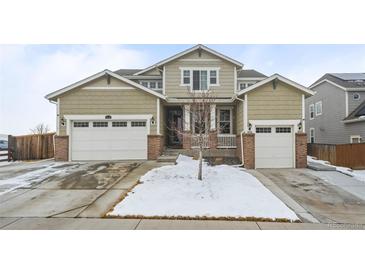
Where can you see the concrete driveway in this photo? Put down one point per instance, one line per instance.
(328, 196)
(49, 189)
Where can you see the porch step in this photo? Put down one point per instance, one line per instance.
(173, 152)
(167, 158)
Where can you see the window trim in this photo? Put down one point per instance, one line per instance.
(230, 120)
(149, 84)
(310, 116)
(191, 69)
(315, 108)
(353, 137)
(312, 135)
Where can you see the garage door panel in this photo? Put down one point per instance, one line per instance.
(109, 143)
(273, 149)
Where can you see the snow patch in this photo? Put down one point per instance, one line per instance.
(225, 191)
(357, 174)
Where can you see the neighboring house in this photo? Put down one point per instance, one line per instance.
(336, 113)
(127, 114)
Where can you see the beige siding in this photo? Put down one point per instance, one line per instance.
(173, 74)
(105, 102)
(239, 117)
(283, 103)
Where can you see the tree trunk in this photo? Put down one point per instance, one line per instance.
(200, 175)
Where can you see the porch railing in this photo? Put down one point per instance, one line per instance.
(195, 141)
(226, 141)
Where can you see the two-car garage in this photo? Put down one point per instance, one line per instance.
(101, 139)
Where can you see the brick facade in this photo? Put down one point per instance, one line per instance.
(238, 147)
(155, 146)
(300, 150)
(249, 150)
(61, 148)
(187, 140)
(213, 139)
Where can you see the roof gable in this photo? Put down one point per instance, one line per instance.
(289, 82)
(342, 81)
(57, 93)
(185, 52)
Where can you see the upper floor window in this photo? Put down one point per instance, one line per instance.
(186, 77)
(213, 77)
(356, 96)
(311, 111)
(159, 84)
(318, 108)
(242, 86)
(152, 84)
(200, 79)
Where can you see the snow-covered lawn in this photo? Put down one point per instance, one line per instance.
(357, 174)
(225, 191)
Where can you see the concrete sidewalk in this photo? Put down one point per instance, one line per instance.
(155, 224)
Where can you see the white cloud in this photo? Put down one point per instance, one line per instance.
(28, 73)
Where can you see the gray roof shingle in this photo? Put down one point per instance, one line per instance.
(346, 80)
(123, 72)
(247, 73)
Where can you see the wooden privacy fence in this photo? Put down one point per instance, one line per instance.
(347, 155)
(31, 147)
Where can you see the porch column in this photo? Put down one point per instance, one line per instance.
(212, 117)
(186, 117)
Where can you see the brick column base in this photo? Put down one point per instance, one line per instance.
(154, 146)
(186, 140)
(61, 148)
(249, 150)
(300, 150)
(213, 139)
(238, 147)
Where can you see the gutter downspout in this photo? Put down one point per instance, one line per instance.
(241, 134)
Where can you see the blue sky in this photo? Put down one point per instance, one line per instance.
(29, 72)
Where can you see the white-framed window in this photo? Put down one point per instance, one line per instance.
(242, 86)
(356, 96)
(225, 121)
(119, 124)
(263, 130)
(81, 124)
(213, 77)
(100, 124)
(311, 111)
(186, 77)
(199, 79)
(319, 108)
(159, 84)
(152, 85)
(355, 139)
(138, 123)
(311, 135)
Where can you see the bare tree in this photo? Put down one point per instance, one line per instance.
(40, 129)
(199, 123)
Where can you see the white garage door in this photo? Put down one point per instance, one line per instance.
(274, 147)
(108, 140)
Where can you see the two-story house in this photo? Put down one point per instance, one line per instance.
(336, 113)
(127, 114)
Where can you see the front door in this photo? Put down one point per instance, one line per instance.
(174, 127)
